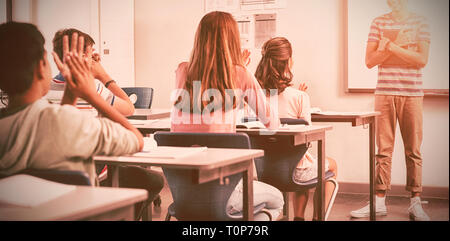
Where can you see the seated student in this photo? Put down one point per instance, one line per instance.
(216, 66)
(274, 72)
(130, 176)
(104, 84)
(39, 135)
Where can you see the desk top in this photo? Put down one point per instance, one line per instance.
(150, 114)
(208, 159)
(294, 130)
(164, 125)
(81, 203)
(356, 118)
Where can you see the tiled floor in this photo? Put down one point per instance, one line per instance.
(437, 209)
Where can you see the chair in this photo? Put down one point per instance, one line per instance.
(206, 201)
(280, 159)
(141, 97)
(62, 176)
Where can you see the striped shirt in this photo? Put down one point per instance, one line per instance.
(57, 91)
(396, 77)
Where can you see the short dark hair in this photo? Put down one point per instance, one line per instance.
(57, 40)
(21, 49)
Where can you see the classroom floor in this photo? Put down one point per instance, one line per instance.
(437, 209)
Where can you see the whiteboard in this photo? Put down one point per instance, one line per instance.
(360, 14)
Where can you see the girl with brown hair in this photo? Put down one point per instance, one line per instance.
(274, 72)
(211, 89)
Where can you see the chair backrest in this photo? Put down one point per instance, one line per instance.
(279, 162)
(62, 176)
(141, 97)
(205, 201)
(293, 121)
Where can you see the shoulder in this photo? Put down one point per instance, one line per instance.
(244, 76)
(418, 19)
(65, 117)
(295, 92)
(382, 19)
(182, 67)
(181, 74)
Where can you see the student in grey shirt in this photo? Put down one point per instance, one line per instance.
(39, 135)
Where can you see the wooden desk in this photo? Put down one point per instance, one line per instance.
(206, 166)
(293, 137)
(150, 114)
(83, 203)
(358, 119)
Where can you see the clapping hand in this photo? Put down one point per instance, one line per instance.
(303, 87)
(76, 68)
(246, 57)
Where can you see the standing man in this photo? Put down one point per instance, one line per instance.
(398, 44)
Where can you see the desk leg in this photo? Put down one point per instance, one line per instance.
(320, 176)
(248, 192)
(372, 169)
(114, 171)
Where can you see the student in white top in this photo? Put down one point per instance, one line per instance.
(274, 72)
(106, 87)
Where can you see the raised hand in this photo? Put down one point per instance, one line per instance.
(61, 64)
(303, 87)
(246, 57)
(76, 67)
(97, 69)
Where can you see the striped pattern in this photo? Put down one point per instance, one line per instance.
(392, 80)
(58, 85)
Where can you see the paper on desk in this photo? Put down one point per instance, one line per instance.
(28, 191)
(291, 127)
(169, 152)
(141, 122)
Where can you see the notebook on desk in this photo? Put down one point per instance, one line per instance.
(251, 125)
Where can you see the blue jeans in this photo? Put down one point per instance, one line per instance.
(262, 193)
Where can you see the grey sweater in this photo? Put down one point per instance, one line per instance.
(50, 136)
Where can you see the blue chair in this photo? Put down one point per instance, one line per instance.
(62, 176)
(141, 97)
(206, 201)
(279, 162)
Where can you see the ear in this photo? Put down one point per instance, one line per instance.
(40, 68)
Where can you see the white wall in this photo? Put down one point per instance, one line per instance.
(2, 11)
(164, 35)
(109, 22)
(53, 15)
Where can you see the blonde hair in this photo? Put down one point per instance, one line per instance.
(214, 57)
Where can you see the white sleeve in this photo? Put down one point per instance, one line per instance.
(104, 92)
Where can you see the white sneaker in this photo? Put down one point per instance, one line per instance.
(381, 210)
(416, 212)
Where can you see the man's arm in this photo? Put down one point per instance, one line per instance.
(376, 52)
(419, 58)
